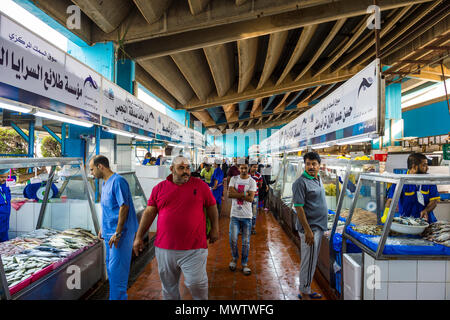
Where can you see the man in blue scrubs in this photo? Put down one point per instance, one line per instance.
(415, 201)
(119, 225)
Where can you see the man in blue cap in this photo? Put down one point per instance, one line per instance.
(119, 225)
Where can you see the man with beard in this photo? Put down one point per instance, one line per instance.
(415, 201)
(312, 212)
(181, 243)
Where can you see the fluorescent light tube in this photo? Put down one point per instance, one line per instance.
(121, 133)
(62, 119)
(320, 146)
(143, 138)
(14, 107)
(356, 140)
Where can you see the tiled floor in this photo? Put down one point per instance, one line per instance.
(273, 259)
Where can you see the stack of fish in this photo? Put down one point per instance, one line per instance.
(16, 245)
(20, 267)
(45, 248)
(410, 221)
(438, 232)
(40, 234)
(361, 216)
(372, 230)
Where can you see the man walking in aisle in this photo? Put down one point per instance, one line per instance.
(241, 190)
(119, 225)
(311, 207)
(181, 244)
(255, 205)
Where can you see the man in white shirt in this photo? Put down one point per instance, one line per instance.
(241, 191)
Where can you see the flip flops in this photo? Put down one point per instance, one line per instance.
(313, 295)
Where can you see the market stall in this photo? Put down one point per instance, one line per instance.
(73, 185)
(62, 257)
(339, 177)
(411, 251)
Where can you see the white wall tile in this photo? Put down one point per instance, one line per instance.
(402, 291)
(79, 212)
(430, 291)
(13, 220)
(382, 292)
(25, 218)
(60, 215)
(369, 294)
(402, 270)
(447, 277)
(447, 291)
(431, 271)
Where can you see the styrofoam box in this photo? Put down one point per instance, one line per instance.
(155, 172)
(352, 274)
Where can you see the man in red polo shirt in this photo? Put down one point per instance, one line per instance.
(180, 244)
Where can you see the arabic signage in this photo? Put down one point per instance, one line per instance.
(124, 111)
(16, 34)
(349, 111)
(34, 72)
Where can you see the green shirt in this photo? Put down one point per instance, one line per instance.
(207, 174)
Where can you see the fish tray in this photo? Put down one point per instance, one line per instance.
(39, 274)
(20, 286)
(407, 229)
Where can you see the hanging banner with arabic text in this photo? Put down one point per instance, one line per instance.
(123, 111)
(26, 76)
(350, 111)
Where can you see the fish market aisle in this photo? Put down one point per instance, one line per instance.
(273, 259)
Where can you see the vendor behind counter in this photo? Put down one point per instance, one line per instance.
(415, 201)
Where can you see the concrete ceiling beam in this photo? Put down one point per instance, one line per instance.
(165, 71)
(221, 62)
(152, 11)
(194, 67)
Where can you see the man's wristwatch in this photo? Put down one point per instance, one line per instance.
(117, 235)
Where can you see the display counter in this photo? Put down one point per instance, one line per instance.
(338, 175)
(38, 264)
(415, 263)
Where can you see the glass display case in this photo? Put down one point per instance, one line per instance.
(72, 186)
(399, 247)
(380, 241)
(293, 168)
(38, 264)
(343, 174)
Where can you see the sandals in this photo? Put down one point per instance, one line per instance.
(313, 295)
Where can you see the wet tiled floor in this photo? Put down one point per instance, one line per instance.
(273, 258)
